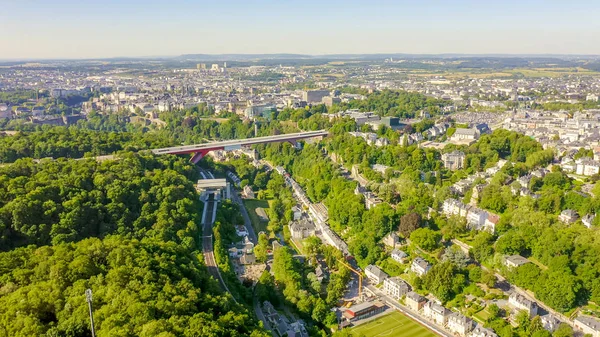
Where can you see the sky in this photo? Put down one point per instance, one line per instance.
(44, 29)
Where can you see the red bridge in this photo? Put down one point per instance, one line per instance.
(200, 150)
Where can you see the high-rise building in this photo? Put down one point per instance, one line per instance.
(314, 96)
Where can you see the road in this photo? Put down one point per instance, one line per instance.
(247, 222)
(411, 314)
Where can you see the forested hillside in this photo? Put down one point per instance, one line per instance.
(128, 230)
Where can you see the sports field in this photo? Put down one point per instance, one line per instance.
(394, 324)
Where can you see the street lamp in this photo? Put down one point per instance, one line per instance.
(88, 298)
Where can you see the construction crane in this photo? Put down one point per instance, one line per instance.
(359, 277)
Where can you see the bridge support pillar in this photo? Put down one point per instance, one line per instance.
(198, 156)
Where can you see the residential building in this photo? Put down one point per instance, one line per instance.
(419, 266)
(330, 101)
(520, 302)
(515, 261)
(480, 331)
(314, 96)
(587, 167)
(459, 324)
(550, 322)
(588, 220)
(568, 216)
(241, 231)
(391, 239)
(587, 325)
(415, 301)
(436, 312)
(302, 229)
(296, 213)
(375, 274)
(395, 287)
(247, 192)
(454, 160)
(398, 255)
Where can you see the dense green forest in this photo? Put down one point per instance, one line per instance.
(128, 230)
(141, 288)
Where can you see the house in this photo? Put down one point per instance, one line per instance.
(568, 216)
(491, 222)
(587, 325)
(520, 302)
(415, 301)
(480, 331)
(297, 329)
(375, 274)
(248, 193)
(395, 287)
(241, 231)
(296, 213)
(588, 220)
(550, 322)
(274, 318)
(391, 239)
(364, 310)
(459, 324)
(398, 255)
(436, 312)
(302, 229)
(419, 266)
(587, 167)
(515, 261)
(454, 160)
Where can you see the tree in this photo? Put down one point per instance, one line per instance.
(481, 248)
(408, 223)
(440, 281)
(542, 333)
(455, 255)
(425, 238)
(494, 311)
(563, 330)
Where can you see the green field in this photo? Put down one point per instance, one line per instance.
(251, 206)
(394, 324)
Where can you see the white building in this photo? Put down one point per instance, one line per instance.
(395, 287)
(436, 312)
(587, 167)
(459, 324)
(419, 266)
(454, 160)
(398, 255)
(587, 325)
(375, 274)
(520, 302)
(480, 331)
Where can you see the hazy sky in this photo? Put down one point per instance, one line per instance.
(110, 28)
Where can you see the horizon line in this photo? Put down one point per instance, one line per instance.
(264, 55)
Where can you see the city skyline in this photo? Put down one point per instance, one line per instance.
(71, 30)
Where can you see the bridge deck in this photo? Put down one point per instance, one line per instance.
(238, 142)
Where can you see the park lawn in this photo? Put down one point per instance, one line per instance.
(394, 324)
(251, 206)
